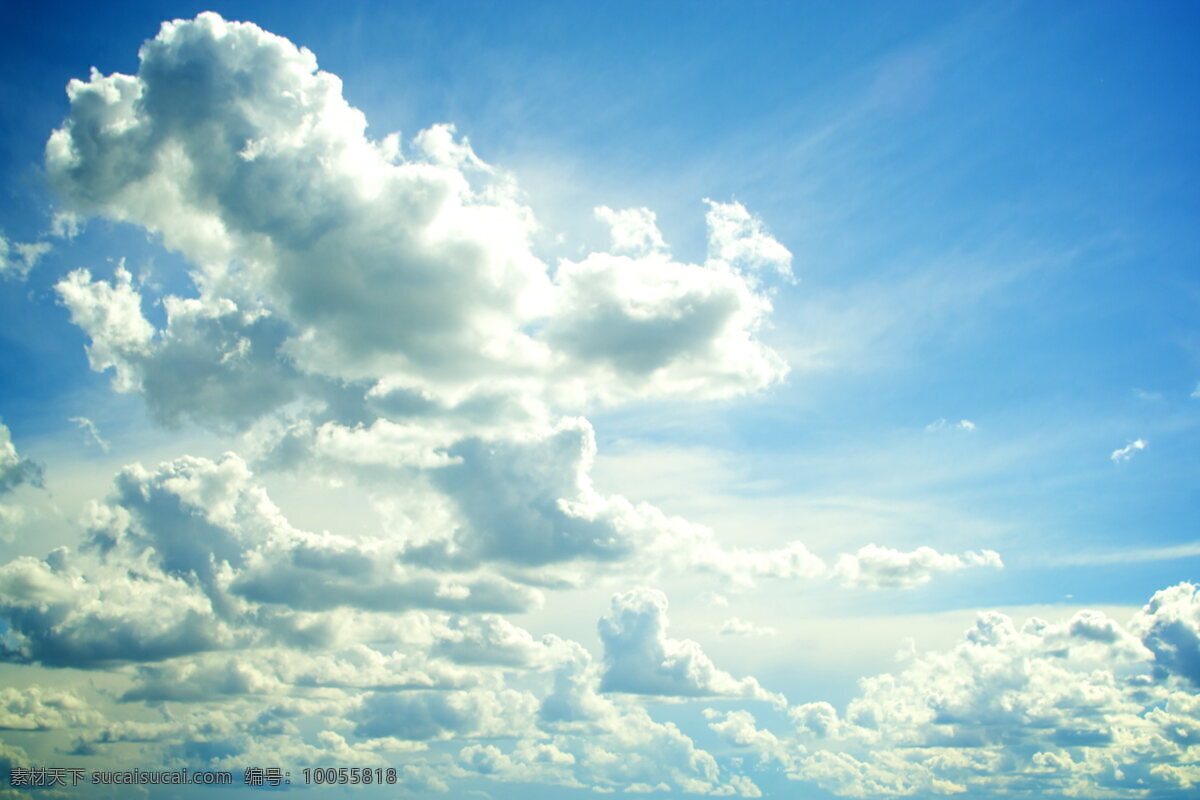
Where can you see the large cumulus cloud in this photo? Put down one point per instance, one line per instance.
(350, 258)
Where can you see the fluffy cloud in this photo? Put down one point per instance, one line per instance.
(59, 617)
(739, 627)
(422, 652)
(739, 240)
(611, 742)
(444, 715)
(321, 250)
(111, 316)
(528, 502)
(1085, 707)
(674, 327)
(488, 640)
(194, 556)
(35, 708)
(639, 658)
(18, 258)
(1170, 628)
(739, 728)
(211, 521)
(401, 267)
(372, 708)
(195, 680)
(882, 567)
(634, 231)
(214, 362)
(15, 470)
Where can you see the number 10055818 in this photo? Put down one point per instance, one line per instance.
(350, 775)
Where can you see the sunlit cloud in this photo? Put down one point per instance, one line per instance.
(1128, 451)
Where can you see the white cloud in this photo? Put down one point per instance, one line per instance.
(490, 640)
(601, 742)
(639, 658)
(443, 715)
(942, 424)
(739, 729)
(1086, 707)
(200, 679)
(15, 470)
(634, 231)
(739, 240)
(93, 433)
(418, 271)
(882, 567)
(615, 744)
(1127, 452)
(111, 316)
(35, 708)
(672, 327)
(18, 258)
(1169, 626)
(59, 617)
(739, 627)
(195, 557)
(214, 362)
(528, 502)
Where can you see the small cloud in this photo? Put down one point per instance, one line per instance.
(739, 627)
(943, 424)
(66, 225)
(93, 433)
(1196, 392)
(15, 470)
(1142, 394)
(875, 567)
(634, 230)
(17, 258)
(1125, 453)
(639, 657)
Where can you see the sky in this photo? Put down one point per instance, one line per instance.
(793, 400)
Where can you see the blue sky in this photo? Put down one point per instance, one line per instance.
(742, 399)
